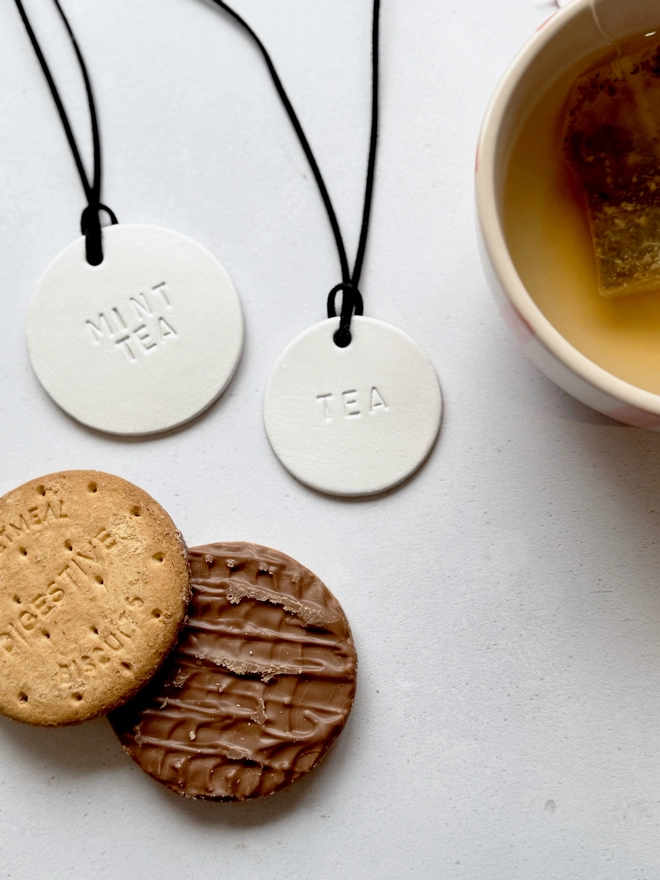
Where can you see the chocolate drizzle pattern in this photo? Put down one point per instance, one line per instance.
(260, 685)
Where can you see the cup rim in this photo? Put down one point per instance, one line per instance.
(493, 236)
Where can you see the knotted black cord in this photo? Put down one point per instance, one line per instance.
(90, 221)
(351, 297)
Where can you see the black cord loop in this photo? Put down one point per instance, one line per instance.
(90, 220)
(90, 226)
(351, 304)
(350, 280)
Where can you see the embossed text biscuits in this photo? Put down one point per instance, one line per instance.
(259, 686)
(93, 589)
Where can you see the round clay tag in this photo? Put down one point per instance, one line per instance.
(142, 343)
(94, 587)
(355, 420)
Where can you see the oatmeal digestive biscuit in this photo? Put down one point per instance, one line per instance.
(93, 589)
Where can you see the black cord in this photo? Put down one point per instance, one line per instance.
(90, 221)
(349, 287)
(373, 142)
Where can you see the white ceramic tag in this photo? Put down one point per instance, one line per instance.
(355, 420)
(142, 343)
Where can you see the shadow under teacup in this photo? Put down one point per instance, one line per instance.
(559, 51)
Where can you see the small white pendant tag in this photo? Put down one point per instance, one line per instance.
(355, 420)
(142, 343)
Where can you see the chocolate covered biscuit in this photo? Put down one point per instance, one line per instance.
(259, 686)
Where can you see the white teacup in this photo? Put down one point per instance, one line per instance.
(574, 32)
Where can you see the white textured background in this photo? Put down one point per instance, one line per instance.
(505, 602)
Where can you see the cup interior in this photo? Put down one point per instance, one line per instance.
(566, 40)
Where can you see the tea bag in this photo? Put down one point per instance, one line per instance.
(612, 142)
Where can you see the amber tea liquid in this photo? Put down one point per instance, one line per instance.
(547, 231)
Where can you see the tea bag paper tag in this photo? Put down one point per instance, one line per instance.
(355, 420)
(142, 343)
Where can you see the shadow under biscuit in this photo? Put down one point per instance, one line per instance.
(66, 751)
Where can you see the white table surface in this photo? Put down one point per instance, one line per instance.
(505, 602)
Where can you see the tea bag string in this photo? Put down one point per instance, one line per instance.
(352, 302)
(90, 221)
